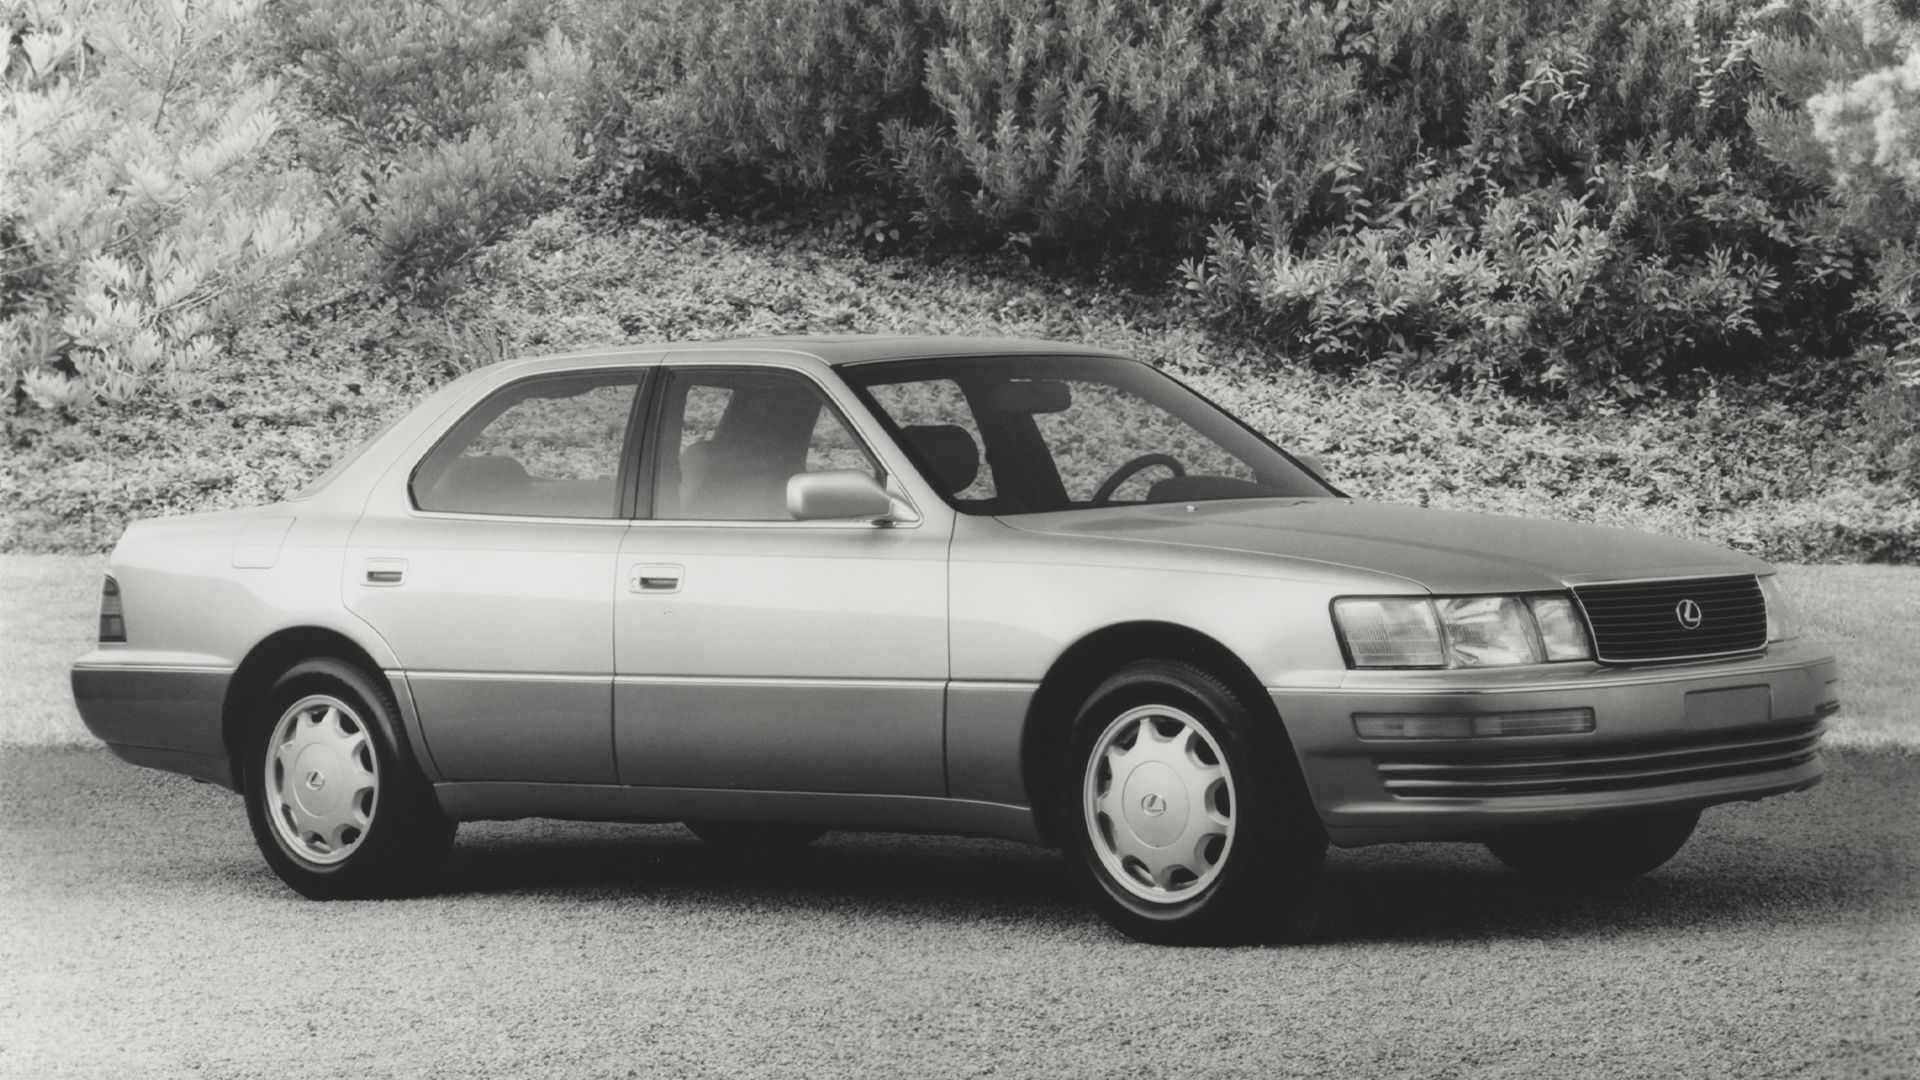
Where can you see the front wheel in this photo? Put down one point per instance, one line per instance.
(337, 804)
(1187, 820)
(1594, 852)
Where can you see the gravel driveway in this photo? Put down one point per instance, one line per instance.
(143, 937)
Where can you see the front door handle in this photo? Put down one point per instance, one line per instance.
(656, 578)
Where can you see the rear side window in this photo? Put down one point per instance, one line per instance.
(546, 447)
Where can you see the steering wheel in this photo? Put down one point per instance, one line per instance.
(1104, 493)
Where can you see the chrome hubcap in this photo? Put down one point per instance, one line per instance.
(1159, 803)
(322, 779)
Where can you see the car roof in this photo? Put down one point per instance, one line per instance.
(842, 349)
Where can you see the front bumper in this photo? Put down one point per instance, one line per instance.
(1665, 737)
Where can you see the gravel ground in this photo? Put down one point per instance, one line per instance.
(143, 937)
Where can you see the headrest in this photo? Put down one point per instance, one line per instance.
(949, 451)
(480, 483)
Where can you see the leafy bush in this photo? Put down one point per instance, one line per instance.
(1097, 125)
(1584, 197)
(1610, 218)
(444, 125)
(144, 216)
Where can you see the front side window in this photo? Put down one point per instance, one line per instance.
(1014, 435)
(546, 447)
(731, 438)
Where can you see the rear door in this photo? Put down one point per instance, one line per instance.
(493, 579)
(756, 652)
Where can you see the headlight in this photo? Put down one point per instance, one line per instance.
(1782, 623)
(1459, 632)
(1562, 630)
(1390, 632)
(1488, 631)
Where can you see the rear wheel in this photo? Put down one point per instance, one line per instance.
(337, 804)
(1592, 852)
(1186, 820)
(755, 835)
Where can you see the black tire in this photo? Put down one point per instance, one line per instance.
(405, 835)
(1262, 881)
(755, 835)
(1594, 852)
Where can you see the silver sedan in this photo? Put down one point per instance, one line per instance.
(999, 588)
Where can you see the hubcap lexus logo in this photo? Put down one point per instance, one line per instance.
(1153, 804)
(315, 781)
(1689, 614)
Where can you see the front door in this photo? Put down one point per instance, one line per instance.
(494, 584)
(755, 652)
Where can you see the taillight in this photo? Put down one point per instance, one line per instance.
(113, 621)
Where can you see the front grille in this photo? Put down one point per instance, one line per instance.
(1640, 620)
(1614, 767)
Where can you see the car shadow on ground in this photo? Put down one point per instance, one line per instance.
(1394, 893)
(79, 821)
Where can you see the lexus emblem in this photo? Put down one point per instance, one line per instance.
(315, 781)
(1153, 804)
(1689, 614)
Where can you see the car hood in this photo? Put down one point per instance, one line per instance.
(1446, 551)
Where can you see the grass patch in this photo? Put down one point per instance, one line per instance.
(1868, 615)
(49, 614)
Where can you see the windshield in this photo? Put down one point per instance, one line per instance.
(1015, 435)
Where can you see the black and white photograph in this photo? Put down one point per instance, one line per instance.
(960, 538)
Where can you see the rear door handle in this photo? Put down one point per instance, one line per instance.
(655, 578)
(386, 572)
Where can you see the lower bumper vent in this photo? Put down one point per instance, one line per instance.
(1612, 767)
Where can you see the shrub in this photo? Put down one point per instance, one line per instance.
(144, 217)
(1089, 125)
(1586, 197)
(445, 125)
(1607, 220)
(1733, 468)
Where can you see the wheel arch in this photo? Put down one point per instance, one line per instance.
(274, 654)
(1087, 662)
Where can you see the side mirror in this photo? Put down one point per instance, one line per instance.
(837, 494)
(1312, 463)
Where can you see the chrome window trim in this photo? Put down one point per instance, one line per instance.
(733, 523)
(511, 519)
